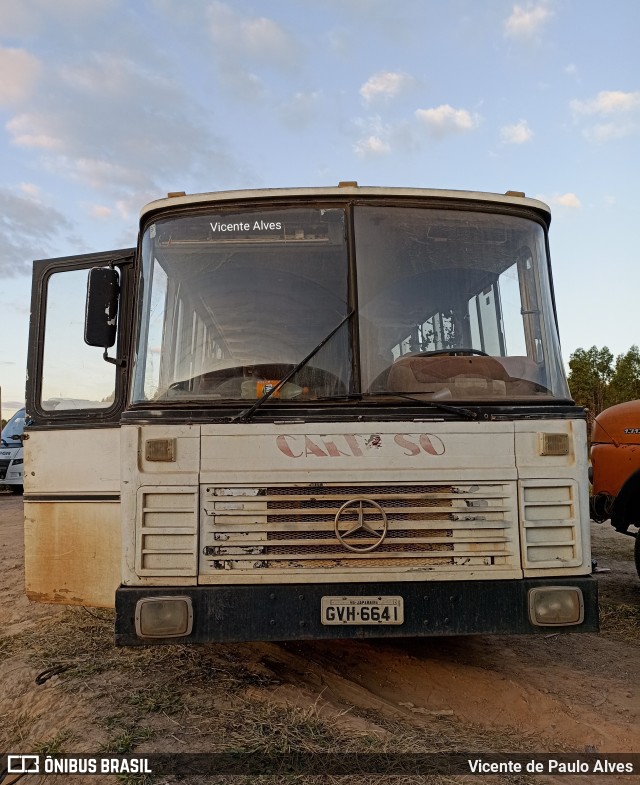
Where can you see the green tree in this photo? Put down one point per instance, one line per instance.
(591, 371)
(625, 382)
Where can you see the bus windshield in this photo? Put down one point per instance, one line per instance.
(455, 304)
(452, 304)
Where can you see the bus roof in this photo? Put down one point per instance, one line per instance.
(350, 189)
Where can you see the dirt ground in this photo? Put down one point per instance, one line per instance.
(577, 693)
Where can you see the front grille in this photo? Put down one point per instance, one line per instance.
(167, 530)
(293, 528)
(551, 523)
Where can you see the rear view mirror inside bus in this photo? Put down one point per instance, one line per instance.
(103, 288)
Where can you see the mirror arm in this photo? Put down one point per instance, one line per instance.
(119, 361)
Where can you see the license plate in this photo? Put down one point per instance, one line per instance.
(362, 610)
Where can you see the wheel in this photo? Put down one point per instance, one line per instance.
(461, 351)
(17, 489)
(636, 553)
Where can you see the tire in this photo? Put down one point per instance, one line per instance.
(17, 489)
(636, 552)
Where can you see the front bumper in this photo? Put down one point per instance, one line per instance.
(292, 612)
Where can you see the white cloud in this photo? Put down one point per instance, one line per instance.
(372, 145)
(377, 138)
(246, 48)
(338, 41)
(238, 38)
(301, 110)
(385, 84)
(28, 230)
(30, 130)
(101, 173)
(243, 84)
(19, 72)
(605, 132)
(444, 120)
(616, 108)
(119, 128)
(27, 18)
(562, 200)
(17, 18)
(527, 22)
(31, 190)
(567, 200)
(606, 103)
(519, 133)
(100, 211)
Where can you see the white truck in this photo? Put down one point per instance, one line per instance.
(11, 453)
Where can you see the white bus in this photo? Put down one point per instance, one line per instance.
(11, 453)
(314, 413)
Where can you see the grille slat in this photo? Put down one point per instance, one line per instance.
(227, 527)
(398, 542)
(347, 555)
(309, 511)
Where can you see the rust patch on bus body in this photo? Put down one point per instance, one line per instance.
(72, 552)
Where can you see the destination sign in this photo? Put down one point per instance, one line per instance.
(219, 227)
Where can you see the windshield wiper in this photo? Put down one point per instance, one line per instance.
(445, 407)
(246, 415)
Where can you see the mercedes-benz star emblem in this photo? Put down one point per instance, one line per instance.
(346, 528)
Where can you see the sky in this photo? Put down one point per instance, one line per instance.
(106, 105)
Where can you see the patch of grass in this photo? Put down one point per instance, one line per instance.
(620, 620)
(83, 639)
(277, 729)
(76, 638)
(135, 779)
(161, 699)
(7, 647)
(56, 745)
(14, 733)
(257, 724)
(269, 729)
(125, 735)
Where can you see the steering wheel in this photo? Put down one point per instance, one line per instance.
(453, 352)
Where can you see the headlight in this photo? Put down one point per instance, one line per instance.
(554, 606)
(164, 617)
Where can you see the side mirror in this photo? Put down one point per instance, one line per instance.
(101, 314)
